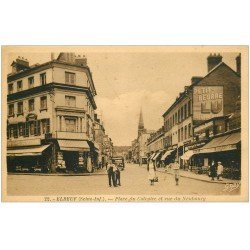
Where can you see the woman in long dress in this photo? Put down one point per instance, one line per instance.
(151, 171)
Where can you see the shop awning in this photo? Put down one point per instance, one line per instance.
(223, 143)
(187, 155)
(156, 156)
(166, 154)
(32, 151)
(70, 145)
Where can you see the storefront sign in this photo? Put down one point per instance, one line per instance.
(31, 117)
(21, 143)
(207, 102)
(203, 127)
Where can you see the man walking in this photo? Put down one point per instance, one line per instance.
(111, 174)
(213, 170)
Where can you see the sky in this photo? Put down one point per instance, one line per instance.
(128, 81)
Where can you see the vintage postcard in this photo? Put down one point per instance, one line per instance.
(125, 123)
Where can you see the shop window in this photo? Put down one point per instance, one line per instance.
(70, 101)
(20, 108)
(11, 110)
(31, 82)
(43, 79)
(10, 88)
(19, 85)
(70, 124)
(70, 78)
(43, 102)
(11, 131)
(31, 105)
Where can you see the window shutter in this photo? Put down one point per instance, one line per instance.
(35, 127)
(26, 126)
(8, 132)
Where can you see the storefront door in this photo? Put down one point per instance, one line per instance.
(71, 159)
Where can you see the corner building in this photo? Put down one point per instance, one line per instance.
(50, 123)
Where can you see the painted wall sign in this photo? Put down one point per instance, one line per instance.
(207, 102)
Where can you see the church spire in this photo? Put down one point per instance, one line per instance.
(141, 124)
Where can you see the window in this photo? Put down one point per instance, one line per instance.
(185, 133)
(70, 124)
(19, 85)
(185, 111)
(70, 101)
(189, 108)
(11, 110)
(15, 130)
(31, 82)
(176, 118)
(182, 134)
(43, 78)
(10, 88)
(32, 128)
(31, 105)
(20, 129)
(45, 126)
(70, 78)
(179, 135)
(189, 130)
(43, 102)
(20, 108)
(182, 113)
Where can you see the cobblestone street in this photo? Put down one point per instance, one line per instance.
(133, 179)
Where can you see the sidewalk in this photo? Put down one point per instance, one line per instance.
(96, 172)
(200, 177)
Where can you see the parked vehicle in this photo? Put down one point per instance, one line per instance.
(119, 161)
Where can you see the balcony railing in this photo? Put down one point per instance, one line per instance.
(70, 135)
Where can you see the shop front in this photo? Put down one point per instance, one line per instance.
(168, 156)
(226, 149)
(73, 155)
(30, 159)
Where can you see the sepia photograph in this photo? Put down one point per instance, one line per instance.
(124, 123)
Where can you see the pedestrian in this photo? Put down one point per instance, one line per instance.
(213, 170)
(176, 168)
(111, 174)
(219, 171)
(117, 173)
(151, 171)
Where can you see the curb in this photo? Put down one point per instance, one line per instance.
(193, 178)
(43, 174)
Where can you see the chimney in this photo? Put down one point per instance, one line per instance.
(196, 79)
(53, 56)
(81, 61)
(20, 64)
(213, 61)
(238, 64)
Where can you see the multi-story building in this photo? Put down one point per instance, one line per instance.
(213, 95)
(155, 145)
(51, 114)
(108, 147)
(99, 140)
